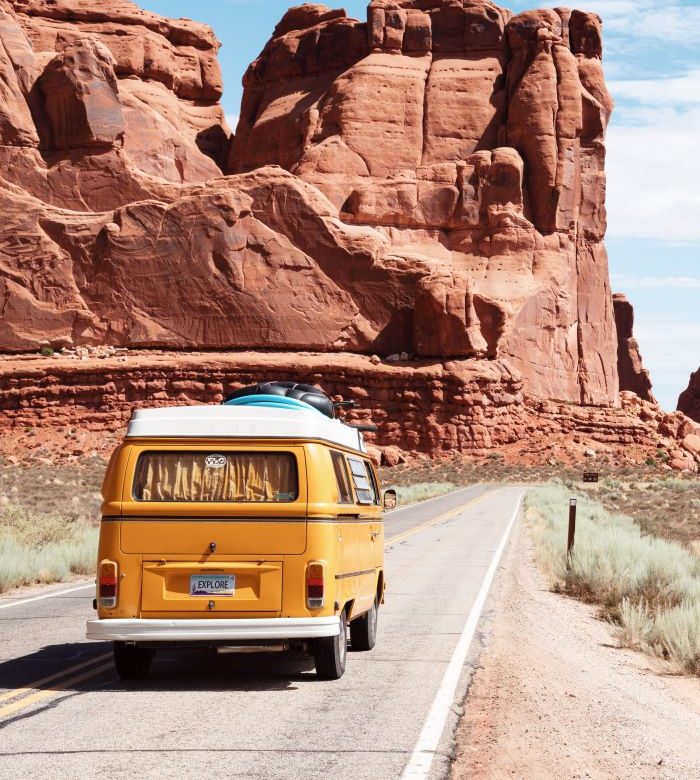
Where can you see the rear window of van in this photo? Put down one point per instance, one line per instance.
(216, 476)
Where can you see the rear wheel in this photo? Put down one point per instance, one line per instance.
(330, 653)
(363, 630)
(132, 662)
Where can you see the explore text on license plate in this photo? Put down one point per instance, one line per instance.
(212, 584)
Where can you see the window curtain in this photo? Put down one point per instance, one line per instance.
(186, 476)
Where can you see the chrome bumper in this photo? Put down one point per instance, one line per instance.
(158, 630)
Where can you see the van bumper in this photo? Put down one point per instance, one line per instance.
(165, 630)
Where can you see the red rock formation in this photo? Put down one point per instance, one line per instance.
(473, 142)
(439, 188)
(689, 400)
(142, 88)
(633, 376)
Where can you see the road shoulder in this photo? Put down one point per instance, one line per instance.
(554, 697)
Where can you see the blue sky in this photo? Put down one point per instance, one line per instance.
(652, 64)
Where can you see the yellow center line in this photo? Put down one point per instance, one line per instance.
(11, 709)
(13, 694)
(411, 531)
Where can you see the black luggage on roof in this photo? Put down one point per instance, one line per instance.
(307, 393)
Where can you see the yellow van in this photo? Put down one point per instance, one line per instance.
(252, 526)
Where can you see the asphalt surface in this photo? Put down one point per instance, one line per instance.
(64, 713)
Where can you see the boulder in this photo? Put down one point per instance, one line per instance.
(691, 443)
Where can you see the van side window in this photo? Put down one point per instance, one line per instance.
(372, 481)
(341, 478)
(364, 487)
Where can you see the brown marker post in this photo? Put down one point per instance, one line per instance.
(572, 530)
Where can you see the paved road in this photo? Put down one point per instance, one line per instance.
(64, 714)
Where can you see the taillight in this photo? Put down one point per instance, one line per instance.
(107, 584)
(314, 586)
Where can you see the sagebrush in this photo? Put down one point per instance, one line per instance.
(649, 587)
(43, 547)
(421, 491)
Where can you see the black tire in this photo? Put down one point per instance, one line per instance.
(363, 630)
(132, 662)
(330, 653)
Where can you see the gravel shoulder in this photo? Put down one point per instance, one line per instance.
(554, 697)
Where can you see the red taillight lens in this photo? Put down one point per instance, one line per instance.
(315, 586)
(107, 584)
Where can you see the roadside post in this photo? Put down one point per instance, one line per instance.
(572, 531)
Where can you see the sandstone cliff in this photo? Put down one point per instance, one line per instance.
(472, 142)
(440, 189)
(633, 376)
(689, 400)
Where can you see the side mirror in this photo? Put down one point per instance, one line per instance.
(389, 500)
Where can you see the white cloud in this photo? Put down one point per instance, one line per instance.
(671, 21)
(232, 121)
(653, 171)
(628, 282)
(670, 352)
(674, 22)
(682, 90)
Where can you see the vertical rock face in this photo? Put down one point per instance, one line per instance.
(81, 97)
(689, 400)
(633, 375)
(440, 188)
(99, 76)
(473, 140)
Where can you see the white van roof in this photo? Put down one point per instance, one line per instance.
(241, 422)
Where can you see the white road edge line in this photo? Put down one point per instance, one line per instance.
(51, 595)
(418, 767)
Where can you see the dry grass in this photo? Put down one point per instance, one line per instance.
(421, 491)
(48, 522)
(37, 547)
(650, 587)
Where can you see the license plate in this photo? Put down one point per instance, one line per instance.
(212, 585)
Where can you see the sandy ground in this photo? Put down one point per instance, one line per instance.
(555, 698)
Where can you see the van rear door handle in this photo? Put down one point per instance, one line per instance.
(353, 515)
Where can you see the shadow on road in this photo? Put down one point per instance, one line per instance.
(205, 670)
(175, 670)
(26, 670)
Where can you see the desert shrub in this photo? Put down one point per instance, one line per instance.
(43, 547)
(649, 587)
(676, 634)
(421, 491)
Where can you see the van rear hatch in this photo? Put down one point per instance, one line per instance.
(248, 587)
(180, 500)
(164, 537)
(213, 525)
